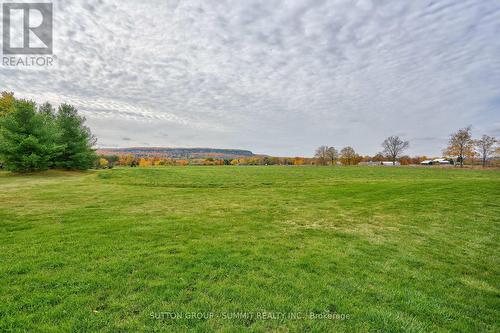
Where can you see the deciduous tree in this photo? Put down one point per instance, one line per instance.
(405, 160)
(298, 161)
(485, 147)
(126, 160)
(394, 146)
(379, 157)
(332, 155)
(348, 156)
(103, 163)
(144, 162)
(325, 155)
(6, 103)
(321, 155)
(460, 145)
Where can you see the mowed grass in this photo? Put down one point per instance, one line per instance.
(365, 249)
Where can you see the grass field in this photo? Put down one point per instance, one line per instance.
(286, 249)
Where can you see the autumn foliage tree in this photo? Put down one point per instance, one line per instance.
(348, 156)
(460, 145)
(127, 160)
(379, 157)
(103, 163)
(299, 161)
(6, 103)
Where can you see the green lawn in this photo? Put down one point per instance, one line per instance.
(364, 249)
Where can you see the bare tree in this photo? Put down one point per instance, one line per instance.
(325, 155)
(321, 155)
(485, 147)
(394, 146)
(460, 145)
(332, 155)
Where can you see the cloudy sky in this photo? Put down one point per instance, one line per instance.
(275, 77)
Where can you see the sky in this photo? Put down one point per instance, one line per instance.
(274, 77)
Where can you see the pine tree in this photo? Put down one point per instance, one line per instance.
(76, 139)
(27, 138)
(47, 109)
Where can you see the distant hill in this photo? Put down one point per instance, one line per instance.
(177, 152)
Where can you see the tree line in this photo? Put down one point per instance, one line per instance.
(39, 137)
(130, 160)
(393, 146)
(461, 147)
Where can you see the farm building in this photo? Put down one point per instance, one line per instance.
(376, 163)
(437, 161)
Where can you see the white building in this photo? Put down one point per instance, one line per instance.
(441, 161)
(437, 161)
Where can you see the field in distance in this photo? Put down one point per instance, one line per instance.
(231, 249)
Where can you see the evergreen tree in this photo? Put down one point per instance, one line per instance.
(46, 109)
(27, 138)
(76, 139)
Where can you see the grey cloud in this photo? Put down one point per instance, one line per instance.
(277, 77)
